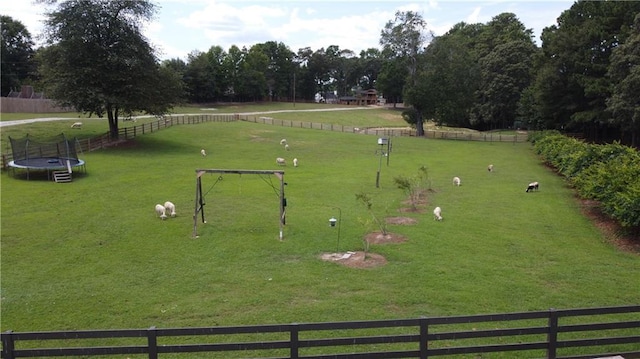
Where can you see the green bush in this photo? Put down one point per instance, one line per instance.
(607, 173)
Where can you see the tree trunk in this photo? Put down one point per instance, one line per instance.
(112, 116)
(419, 124)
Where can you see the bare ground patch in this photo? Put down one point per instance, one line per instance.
(355, 259)
(626, 240)
(361, 259)
(403, 221)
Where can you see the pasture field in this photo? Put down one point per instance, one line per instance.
(92, 254)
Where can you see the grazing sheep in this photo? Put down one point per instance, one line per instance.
(456, 181)
(77, 125)
(203, 153)
(437, 214)
(170, 207)
(295, 162)
(280, 161)
(532, 186)
(283, 141)
(490, 168)
(161, 211)
(286, 147)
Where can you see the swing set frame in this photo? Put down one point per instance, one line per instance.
(199, 202)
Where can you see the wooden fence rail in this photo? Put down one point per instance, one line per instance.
(390, 131)
(553, 334)
(130, 132)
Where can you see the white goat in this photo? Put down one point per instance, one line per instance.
(77, 125)
(437, 214)
(286, 147)
(490, 168)
(203, 152)
(456, 181)
(295, 162)
(280, 161)
(170, 207)
(283, 141)
(160, 211)
(532, 186)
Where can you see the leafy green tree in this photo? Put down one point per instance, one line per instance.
(391, 80)
(252, 82)
(404, 38)
(624, 71)
(505, 53)
(16, 54)
(370, 65)
(98, 62)
(505, 73)
(305, 87)
(280, 69)
(448, 79)
(573, 84)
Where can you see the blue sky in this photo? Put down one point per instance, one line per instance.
(183, 26)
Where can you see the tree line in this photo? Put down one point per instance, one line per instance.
(584, 78)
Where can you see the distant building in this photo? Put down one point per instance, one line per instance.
(361, 98)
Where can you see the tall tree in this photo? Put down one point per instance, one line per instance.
(16, 54)
(279, 72)
(448, 79)
(577, 53)
(369, 66)
(505, 73)
(391, 80)
(624, 71)
(404, 37)
(505, 52)
(98, 61)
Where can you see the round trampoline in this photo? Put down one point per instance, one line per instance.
(56, 154)
(47, 163)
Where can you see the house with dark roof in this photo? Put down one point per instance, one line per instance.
(361, 98)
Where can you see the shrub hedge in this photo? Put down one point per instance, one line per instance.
(608, 173)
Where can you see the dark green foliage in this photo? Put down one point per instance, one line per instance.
(16, 56)
(403, 40)
(607, 173)
(98, 62)
(572, 86)
(624, 71)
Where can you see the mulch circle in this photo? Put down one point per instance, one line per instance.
(357, 259)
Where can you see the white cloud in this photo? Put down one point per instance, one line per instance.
(186, 25)
(474, 16)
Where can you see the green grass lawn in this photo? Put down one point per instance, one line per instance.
(92, 254)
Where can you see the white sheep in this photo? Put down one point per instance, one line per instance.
(77, 125)
(203, 152)
(532, 186)
(490, 168)
(437, 214)
(283, 141)
(286, 147)
(280, 161)
(161, 211)
(295, 162)
(170, 207)
(456, 181)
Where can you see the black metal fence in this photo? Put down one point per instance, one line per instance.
(553, 334)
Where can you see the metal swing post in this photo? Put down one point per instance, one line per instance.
(199, 204)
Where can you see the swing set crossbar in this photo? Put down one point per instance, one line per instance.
(201, 172)
(199, 203)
